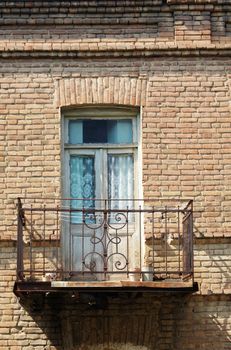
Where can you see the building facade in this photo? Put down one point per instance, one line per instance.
(115, 162)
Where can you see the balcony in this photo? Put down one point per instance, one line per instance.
(101, 245)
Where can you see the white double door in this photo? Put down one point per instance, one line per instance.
(97, 241)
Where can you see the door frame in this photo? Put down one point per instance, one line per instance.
(97, 112)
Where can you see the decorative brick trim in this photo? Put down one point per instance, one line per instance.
(177, 51)
(101, 90)
(197, 2)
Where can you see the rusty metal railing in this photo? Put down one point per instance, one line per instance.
(106, 240)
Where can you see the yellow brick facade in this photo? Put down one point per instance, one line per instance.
(172, 60)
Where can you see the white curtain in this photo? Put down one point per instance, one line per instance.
(82, 184)
(120, 180)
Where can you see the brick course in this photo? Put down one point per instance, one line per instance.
(173, 59)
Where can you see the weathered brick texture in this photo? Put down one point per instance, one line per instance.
(172, 59)
(181, 99)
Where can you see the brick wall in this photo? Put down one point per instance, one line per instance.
(181, 98)
(173, 59)
(93, 26)
(149, 322)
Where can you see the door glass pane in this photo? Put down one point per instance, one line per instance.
(100, 131)
(120, 131)
(120, 181)
(82, 185)
(75, 131)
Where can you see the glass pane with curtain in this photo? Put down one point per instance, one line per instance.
(120, 181)
(82, 185)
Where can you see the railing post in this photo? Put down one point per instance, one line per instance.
(20, 224)
(188, 240)
(191, 239)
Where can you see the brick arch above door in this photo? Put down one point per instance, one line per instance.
(101, 90)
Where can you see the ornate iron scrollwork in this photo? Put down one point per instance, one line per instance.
(106, 230)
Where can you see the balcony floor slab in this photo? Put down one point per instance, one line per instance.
(27, 287)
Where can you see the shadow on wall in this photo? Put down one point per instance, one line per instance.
(40, 323)
(127, 321)
(203, 323)
(212, 257)
(148, 322)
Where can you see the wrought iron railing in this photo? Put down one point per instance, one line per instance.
(111, 240)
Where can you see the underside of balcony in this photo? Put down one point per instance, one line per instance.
(91, 245)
